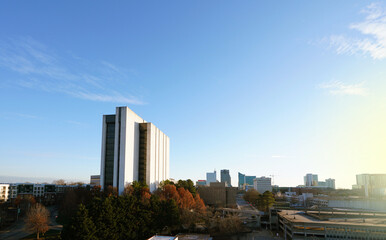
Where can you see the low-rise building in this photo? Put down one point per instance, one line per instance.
(218, 195)
(335, 224)
(95, 180)
(201, 183)
(47, 193)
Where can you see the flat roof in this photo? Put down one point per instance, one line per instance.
(296, 216)
(162, 238)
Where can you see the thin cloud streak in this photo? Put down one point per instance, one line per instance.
(278, 156)
(13, 115)
(373, 42)
(339, 88)
(44, 71)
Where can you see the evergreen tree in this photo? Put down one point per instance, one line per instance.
(265, 201)
(81, 227)
(187, 185)
(104, 215)
(166, 214)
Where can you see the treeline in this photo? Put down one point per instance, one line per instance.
(137, 214)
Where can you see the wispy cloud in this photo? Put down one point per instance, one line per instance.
(43, 70)
(278, 156)
(373, 35)
(339, 88)
(13, 115)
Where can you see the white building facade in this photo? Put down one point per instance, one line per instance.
(132, 150)
(262, 184)
(5, 191)
(374, 185)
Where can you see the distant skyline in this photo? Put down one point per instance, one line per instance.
(261, 88)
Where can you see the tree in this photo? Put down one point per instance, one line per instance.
(165, 182)
(139, 190)
(170, 192)
(186, 199)
(230, 224)
(59, 182)
(266, 200)
(187, 185)
(37, 219)
(81, 227)
(111, 191)
(166, 215)
(199, 204)
(251, 196)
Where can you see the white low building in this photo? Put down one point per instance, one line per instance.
(4, 192)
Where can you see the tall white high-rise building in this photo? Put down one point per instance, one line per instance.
(132, 150)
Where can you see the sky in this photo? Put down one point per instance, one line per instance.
(265, 88)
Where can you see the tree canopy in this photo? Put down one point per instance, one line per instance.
(37, 219)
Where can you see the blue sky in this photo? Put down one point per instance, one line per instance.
(263, 88)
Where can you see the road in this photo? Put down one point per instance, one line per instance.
(255, 235)
(243, 205)
(17, 230)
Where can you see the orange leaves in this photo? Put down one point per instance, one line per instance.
(186, 199)
(170, 192)
(37, 219)
(183, 198)
(199, 204)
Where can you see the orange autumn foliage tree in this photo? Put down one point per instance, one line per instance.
(186, 199)
(37, 219)
(169, 192)
(183, 197)
(138, 189)
(199, 205)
